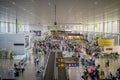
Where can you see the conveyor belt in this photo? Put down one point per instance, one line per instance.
(61, 71)
(49, 74)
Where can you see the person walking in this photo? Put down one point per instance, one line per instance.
(35, 62)
(22, 68)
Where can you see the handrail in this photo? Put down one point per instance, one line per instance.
(46, 64)
(66, 69)
(55, 69)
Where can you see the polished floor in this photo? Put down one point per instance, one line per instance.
(74, 73)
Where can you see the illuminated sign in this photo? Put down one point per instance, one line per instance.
(109, 49)
(67, 62)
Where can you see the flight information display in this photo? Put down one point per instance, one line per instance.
(67, 62)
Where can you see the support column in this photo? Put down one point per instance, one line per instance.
(55, 68)
(16, 26)
(8, 27)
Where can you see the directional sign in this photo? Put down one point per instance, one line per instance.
(67, 62)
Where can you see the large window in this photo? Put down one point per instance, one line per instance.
(22, 28)
(81, 28)
(6, 27)
(105, 27)
(90, 28)
(109, 27)
(85, 27)
(100, 27)
(26, 28)
(3, 27)
(115, 27)
(97, 27)
(12, 27)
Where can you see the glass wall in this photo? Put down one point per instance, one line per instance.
(12, 27)
(8, 27)
(97, 27)
(90, 28)
(100, 27)
(22, 28)
(85, 27)
(81, 28)
(3, 27)
(109, 26)
(105, 27)
(115, 27)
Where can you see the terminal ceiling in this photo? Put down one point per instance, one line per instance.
(67, 11)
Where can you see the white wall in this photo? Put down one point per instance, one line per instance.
(7, 41)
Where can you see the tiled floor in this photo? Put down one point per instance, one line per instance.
(5, 66)
(30, 72)
(74, 73)
(30, 69)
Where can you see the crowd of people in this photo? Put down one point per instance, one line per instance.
(95, 72)
(20, 68)
(91, 70)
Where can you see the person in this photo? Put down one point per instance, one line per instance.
(102, 74)
(22, 68)
(107, 64)
(96, 73)
(35, 62)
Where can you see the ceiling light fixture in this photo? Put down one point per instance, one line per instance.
(49, 4)
(24, 9)
(13, 3)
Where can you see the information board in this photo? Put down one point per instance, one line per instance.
(67, 62)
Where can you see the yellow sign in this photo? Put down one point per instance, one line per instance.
(106, 42)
